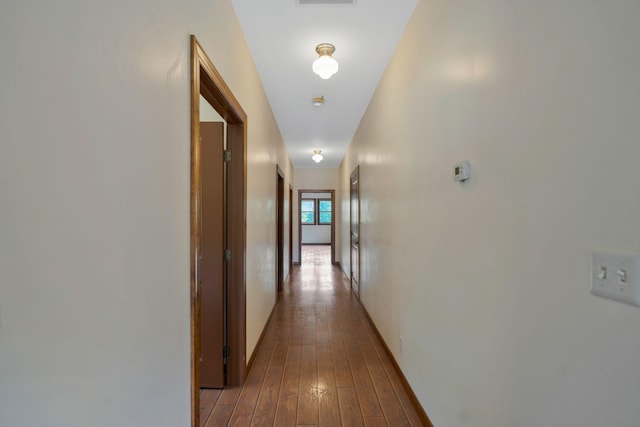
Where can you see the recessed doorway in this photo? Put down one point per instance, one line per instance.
(316, 220)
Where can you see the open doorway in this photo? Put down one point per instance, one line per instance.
(316, 225)
(218, 240)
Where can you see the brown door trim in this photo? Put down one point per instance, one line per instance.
(206, 81)
(333, 223)
(354, 223)
(290, 228)
(279, 229)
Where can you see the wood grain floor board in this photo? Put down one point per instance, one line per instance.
(366, 393)
(341, 365)
(268, 399)
(287, 408)
(369, 352)
(208, 398)
(291, 376)
(388, 399)
(308, 391)
(328, 395)
(376, 422)
(354, 352)
(350, 412)
(246, 406)
(219, 416)
(405, 401)
(308, 407)
(324, 353)
(344, 376)
(263, 356)
(279, 352)
(297, 337)
(329, 408)
(229, 396)
(322, 335)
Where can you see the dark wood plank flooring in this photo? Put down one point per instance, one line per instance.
(320, 362)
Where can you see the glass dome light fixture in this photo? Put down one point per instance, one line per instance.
(317, 157)
(325, 66)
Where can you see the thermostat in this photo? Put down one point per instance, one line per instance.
(461, 171)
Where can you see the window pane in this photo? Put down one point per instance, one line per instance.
(324, 211)
(325, 217)
(307, 217)
(325, 205)
(308, 211)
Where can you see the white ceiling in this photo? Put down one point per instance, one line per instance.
(282, 36)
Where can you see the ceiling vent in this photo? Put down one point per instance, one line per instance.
(306, 2)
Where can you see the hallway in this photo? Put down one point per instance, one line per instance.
(320, 362)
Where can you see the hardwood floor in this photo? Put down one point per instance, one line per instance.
(320, 362)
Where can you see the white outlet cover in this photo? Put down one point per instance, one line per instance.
(611, 286)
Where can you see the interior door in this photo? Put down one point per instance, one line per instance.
(355, 232)
(280, 229)
(290, 228)
(212, 290)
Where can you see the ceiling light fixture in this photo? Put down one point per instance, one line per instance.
(317, 157)
(325, 66)
(318, 102)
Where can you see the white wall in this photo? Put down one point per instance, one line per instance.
(316, 234)
(488, 282)
(313, 179)
(94, 229)
(209, 114)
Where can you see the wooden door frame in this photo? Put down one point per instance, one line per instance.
(290, 228)
(355, 172)
(333, 223)
(279, 229)
(206, 81)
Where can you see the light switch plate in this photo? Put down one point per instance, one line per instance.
(461, 171)
(615, 274)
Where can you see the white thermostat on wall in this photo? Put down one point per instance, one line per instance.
(461, 171)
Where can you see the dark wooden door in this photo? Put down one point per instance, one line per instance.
(355, 232)
(280, 229)
(212, 289)
(290, 228)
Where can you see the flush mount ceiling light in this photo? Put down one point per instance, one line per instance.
(325, 66)
(318, 102)
(317, 157)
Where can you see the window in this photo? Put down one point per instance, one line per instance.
(308, 211)
(324, 211)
